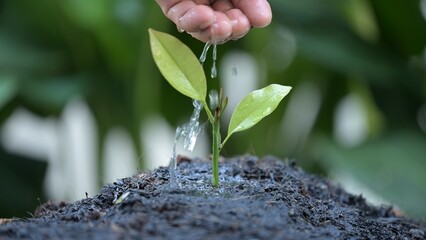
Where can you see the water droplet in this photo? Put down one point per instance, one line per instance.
(178, 24)
(234, 71)
(214, 99)
(203, 56)
(214, 70)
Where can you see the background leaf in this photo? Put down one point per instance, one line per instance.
(8, 88)
(23, 188)
(178, 65)
(393, 166)
(255, 106)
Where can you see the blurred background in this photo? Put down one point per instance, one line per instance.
(82, 103)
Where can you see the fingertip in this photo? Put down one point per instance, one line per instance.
(220, 30)
(197, 18)
(200, 36)
(258, 12)
(263, 20)
(240, 24)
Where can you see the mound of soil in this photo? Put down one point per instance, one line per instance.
(258, 199)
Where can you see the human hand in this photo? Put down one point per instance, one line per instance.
(217, 21)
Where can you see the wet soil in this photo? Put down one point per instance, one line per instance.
(258, 199)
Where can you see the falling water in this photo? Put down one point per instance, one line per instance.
(203, 56)
(191, 129)
(190, 132)
(172, 167)
(214, 70)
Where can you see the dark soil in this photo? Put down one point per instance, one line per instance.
(258, 199)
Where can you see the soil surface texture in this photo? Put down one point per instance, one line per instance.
(257, 199)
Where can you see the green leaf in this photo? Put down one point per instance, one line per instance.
(179, 66)
(255, 106)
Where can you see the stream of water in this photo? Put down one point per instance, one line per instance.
(214, 70)
(190, 132)
(203, 56)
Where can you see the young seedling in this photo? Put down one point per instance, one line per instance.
(181, 68)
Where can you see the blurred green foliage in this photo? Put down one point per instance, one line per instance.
(23, 189)
(51, 51)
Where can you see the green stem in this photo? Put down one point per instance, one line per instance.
(216, 150)
(209, 114)
(224, 141)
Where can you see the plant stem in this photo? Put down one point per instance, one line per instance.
(209, 114)
(216, 150)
